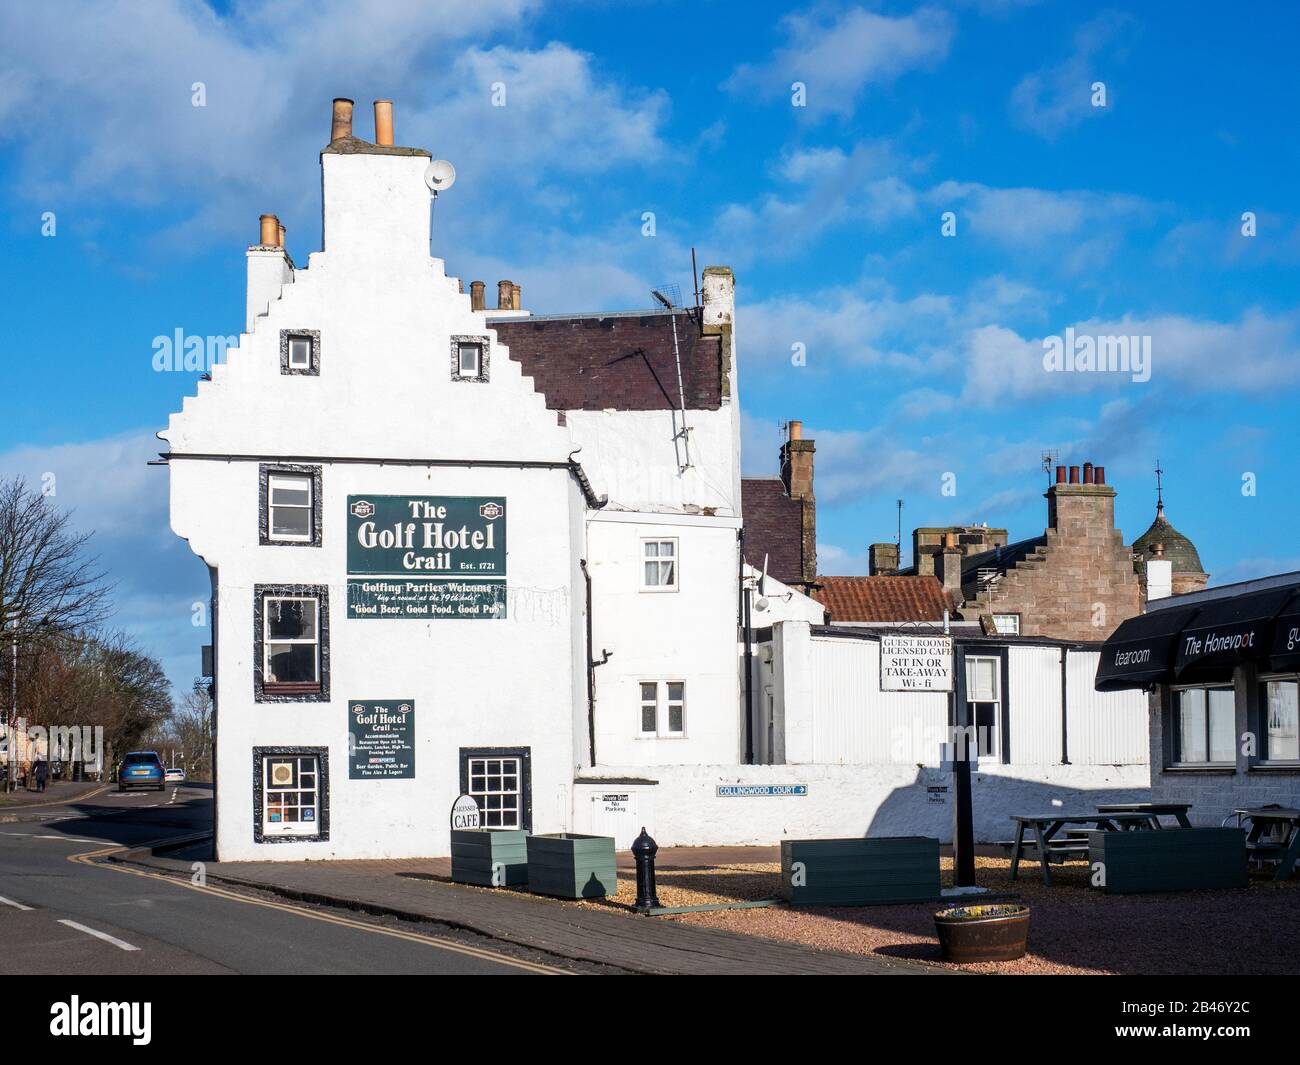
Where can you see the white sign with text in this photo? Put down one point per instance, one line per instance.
(916, 663)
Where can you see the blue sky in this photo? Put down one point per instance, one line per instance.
(924, 351)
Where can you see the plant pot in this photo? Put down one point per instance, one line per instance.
(571, 866)
(991, 932)
(859, 872)
(489, 857)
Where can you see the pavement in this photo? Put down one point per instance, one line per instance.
(58, 793)
(411, 890)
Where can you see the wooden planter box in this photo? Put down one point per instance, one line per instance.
(571, 866)
(1170, 859)
(475, 852)
(860, 872)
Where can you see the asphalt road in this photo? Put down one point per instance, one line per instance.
(64, 911)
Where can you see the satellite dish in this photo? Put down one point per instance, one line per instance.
(439, 175)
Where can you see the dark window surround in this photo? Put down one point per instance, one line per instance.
(1169, 739)
(264, 470)
(1004, 699)
(525, 756)
(484, 343)
(1255, 710)
(314, 336)
(322, 754)
(292, 693)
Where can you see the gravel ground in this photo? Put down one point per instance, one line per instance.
(1073, 928)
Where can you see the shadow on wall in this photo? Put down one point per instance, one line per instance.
(925, 807)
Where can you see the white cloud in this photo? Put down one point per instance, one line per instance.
(838, 56)
(1059, 96)
(1020, 217)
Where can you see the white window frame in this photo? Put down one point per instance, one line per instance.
(477, 371)
(674, 560)
(994, 751)
(663, 705)
(268, 640)
(1175, 723)
(480, 796)
(1264, 680)
(271, 505)
(297, 827)
(1015, 623)
(301, 343)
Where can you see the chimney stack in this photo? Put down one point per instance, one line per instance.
(476, 300)
(342, 125)
(797, 476)
(1084, 502)
(384, 122)
(882, 560)
(504, 294)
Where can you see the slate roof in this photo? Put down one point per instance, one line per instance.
(622, 361)
(882, 598)
(999, 560)
(773, 527)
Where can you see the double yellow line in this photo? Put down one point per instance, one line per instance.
(93, 858)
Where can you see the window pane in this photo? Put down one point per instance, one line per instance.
(290, 521)
(676, 690)
(651, 549)
(676, 718)
(1191, 725)
(290, 491)
(1223, 725)
(652, 574)
(648, 693)
(299, 353)
(984, 715)
(667, 574)
(469, 359)
(1283, 708)
(981, 680)
(291, 619)
(292, 663)
(648, 717)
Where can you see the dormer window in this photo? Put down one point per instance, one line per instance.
(300, 352)
(469, 358)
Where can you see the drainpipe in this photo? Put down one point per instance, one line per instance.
(1065, 722)
(745, 619)
(591, 672)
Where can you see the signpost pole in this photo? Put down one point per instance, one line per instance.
(963, 826)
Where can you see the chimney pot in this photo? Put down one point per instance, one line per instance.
(342, 125)
(1087, 473)
(504, 290)
(279, 237)
(384, 122)
(516, 298)
(270, 234)
(1074, 474)
(1060, 475)
(1099, 474)
(476, 299)
(796, 430)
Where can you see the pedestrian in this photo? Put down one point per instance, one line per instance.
(42, 770)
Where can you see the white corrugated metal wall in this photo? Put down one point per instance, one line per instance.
(854, 722)
(1034, 705)
(1105, 728)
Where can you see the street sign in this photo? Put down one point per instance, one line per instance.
(464, 813)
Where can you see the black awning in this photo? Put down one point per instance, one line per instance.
(1285, 653)
(1140, 652)
(1229, 632)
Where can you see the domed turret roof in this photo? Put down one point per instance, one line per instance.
(1177, 548)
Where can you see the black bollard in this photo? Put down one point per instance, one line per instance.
(644, 850)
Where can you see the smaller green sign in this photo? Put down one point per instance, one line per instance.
(381, 739)
(429, 599)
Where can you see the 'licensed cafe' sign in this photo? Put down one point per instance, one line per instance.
(426, 557)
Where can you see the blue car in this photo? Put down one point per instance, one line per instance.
(141, 769)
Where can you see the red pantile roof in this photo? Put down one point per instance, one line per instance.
(773, 528)
(882, 598)
(616, 361)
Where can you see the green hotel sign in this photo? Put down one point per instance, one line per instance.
(426, 557)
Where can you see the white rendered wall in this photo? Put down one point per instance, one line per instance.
(386, 313)
(687, 635)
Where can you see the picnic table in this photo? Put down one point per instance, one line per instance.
(1046, 826)
(1154, 810)
(1283, 820)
